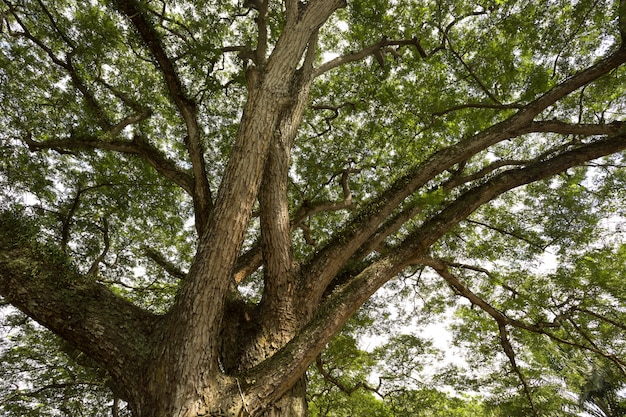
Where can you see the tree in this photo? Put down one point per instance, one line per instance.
(198, 195)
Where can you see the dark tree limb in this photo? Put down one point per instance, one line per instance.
(168, 266)
(93, 270)
(583, 129)
(203, 201)
(92, 104)
(441, 267)
(493, 106)
(138, 146)
(510, 353)
(375, 50)
(507, 233)
(319, 364)
(43, 285)
(474, 76)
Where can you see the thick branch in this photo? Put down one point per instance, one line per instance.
(196, 318)
(465, 204)
(280, 372)
(330, 259)
(278, 295)
(168, 266)
(563, 128)
(248, 263)
(478, 106)
(93, 319)
(337, 308)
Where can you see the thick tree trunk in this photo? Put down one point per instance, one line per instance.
(291, 404)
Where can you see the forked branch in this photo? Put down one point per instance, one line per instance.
(377, 50)
(203, 201)
(350, 239)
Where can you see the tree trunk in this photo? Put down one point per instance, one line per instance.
(291, 404)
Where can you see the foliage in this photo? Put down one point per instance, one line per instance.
(478, 145)
(43, 376)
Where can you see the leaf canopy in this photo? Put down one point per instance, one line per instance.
(95, 156)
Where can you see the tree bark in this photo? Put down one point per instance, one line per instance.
(213, 354)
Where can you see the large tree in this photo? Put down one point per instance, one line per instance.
(198, 195)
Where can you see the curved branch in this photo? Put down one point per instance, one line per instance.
(328, 261)
(138, 146)
(474, 76)
(602, 318)
(510, 353)
(496, 106)
(92, 104)
(441, 267)
(93, 270)
(311, 208)
(501, 319)
(168, 266)
(319, 364)
(335, 114)
(41, 283)
(376, 50)
(507, 233)
(203, 201)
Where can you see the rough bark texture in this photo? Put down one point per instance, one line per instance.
(213, 354)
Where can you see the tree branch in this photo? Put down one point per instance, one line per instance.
(262, 39)
(93, 270)
(203, 201)
(168, 266)
(495, 106)
(602, 318)
(92, 104)
(198, 311)
(441, 267)
(563, 128)
(278, 303)
(319, 364)
(248, 263)
(507, 233)
(474, 76)
(329, 260)
(410, 251)
(41, 283)
(510, 353)
(311, 208)
(501, 319)
(138, 146)
(20, 393)
(374, 50)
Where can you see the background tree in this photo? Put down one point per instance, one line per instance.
(198, 195)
